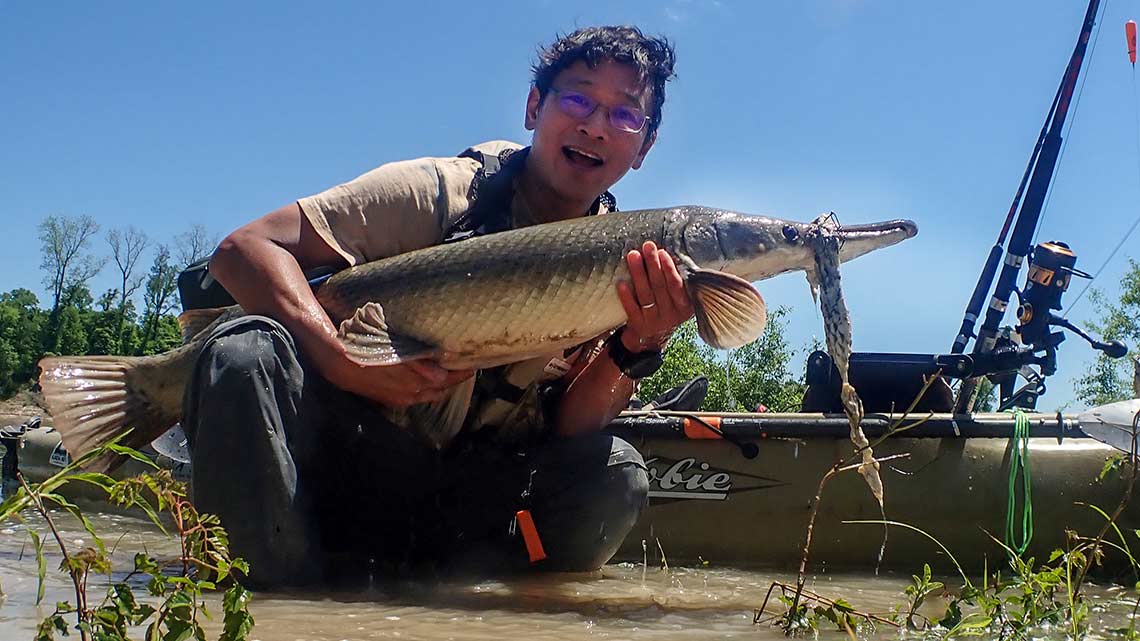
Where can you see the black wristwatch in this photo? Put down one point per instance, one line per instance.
(636, 365)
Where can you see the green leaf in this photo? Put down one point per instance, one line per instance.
(1111, 463)
(80, 516)
(223, 569)
(237, 626)
(146, 564)
(843, 606)
(133, 453)
(93, 478)
(123, 598)
(235, 598)
(41, 565)
(178, 631)
(14, 504)
(240, 565)
(49, 626)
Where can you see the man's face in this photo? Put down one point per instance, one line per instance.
(579, 158)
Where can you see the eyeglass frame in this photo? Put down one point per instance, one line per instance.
(609, 110)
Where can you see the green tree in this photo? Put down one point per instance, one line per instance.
(126, 249)
(65, 261)
(159, 299)
(1107, 380)
(21, 326)
(739, 379)
(71, 335)
(167, 336)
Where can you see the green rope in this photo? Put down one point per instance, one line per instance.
(1019, 467)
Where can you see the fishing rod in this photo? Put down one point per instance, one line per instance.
(1000, 353)
(1051, 265)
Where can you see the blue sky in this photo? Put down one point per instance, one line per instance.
(160, 115)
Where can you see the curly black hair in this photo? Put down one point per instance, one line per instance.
(651, 57)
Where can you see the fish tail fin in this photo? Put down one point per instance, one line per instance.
(95, 399)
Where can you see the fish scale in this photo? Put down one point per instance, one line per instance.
(518, 290)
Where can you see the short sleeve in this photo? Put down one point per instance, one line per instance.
(395, 208)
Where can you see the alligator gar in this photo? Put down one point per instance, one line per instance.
(486, 301)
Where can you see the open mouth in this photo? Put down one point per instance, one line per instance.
(581, 158)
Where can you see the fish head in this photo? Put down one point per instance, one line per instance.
(758, 247)
(856, 240)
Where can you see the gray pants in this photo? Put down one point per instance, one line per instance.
(313, 484)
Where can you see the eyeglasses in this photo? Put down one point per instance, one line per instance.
(579, 105)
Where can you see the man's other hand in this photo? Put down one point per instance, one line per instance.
(421, 381)
(656, 302)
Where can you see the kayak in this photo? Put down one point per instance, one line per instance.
(738, 489)
(710, 502)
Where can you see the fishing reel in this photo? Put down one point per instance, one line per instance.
(1028, 350)
(1052, 267)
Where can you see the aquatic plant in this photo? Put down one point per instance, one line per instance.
(853, 462)
(1015, 604)
(176, 607)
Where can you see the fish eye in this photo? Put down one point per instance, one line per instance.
(791, 234)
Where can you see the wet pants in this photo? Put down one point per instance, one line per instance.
(313, 484)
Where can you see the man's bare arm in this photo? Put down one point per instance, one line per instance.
(262, 265)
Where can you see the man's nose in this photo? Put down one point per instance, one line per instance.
(595, 125)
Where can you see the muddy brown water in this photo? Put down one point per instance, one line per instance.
(621, 601)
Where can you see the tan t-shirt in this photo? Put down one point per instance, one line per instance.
(408, 205)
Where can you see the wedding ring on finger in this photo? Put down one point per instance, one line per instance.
(649, 306)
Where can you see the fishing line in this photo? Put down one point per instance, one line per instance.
(1135, 223)
(1072, 123)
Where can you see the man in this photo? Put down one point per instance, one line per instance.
(289, 443)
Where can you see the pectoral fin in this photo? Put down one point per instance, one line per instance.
(729, 310)
(368, 341)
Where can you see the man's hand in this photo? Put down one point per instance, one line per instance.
(656, 303)
(422, 381)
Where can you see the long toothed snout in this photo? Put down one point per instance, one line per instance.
(857, 240)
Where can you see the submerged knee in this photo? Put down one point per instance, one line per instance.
(587, 522)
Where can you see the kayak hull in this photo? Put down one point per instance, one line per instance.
(709, 503)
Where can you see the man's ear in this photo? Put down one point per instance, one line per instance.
(640, 158)
(533, 100)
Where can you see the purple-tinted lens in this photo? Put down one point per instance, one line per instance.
(575, 104)
(579, 105)
(627, 119)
